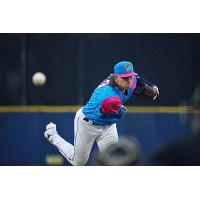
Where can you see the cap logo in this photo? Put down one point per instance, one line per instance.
(127, 67)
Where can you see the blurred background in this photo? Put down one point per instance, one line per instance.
(74, 65)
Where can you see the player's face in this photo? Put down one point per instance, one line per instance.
(124, 83)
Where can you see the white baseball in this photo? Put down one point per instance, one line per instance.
(39, 79)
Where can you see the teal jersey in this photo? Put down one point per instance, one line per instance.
(106, 90)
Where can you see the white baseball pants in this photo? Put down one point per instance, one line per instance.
(85, 134)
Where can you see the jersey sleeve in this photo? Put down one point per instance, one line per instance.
(111, 105)
(141, 84)
(142, 81)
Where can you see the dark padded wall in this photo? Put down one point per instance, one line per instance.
(76, 63)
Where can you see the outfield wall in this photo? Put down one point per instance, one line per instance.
(76, 63)
(22, 141)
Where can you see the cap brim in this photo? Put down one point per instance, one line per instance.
(127, 75)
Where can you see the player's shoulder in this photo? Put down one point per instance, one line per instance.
(107, 87)
(109, 81)
(112, 82)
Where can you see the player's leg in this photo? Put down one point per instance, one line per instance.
(54, 138)
(84, 137)
(108, 137)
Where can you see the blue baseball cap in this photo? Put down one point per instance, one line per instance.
(124, 69)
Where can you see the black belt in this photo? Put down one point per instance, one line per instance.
(87, 120)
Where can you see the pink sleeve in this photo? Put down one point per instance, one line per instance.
(111, 105)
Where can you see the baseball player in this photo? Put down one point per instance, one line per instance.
(96, 121)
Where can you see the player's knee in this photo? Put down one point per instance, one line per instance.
(80, 162)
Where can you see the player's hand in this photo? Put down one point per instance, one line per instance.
(122, 112)
(50, 132)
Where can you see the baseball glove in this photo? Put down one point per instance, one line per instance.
(150, 92)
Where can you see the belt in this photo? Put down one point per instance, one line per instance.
(88, 120)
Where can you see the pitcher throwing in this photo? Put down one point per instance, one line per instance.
(96, 121)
